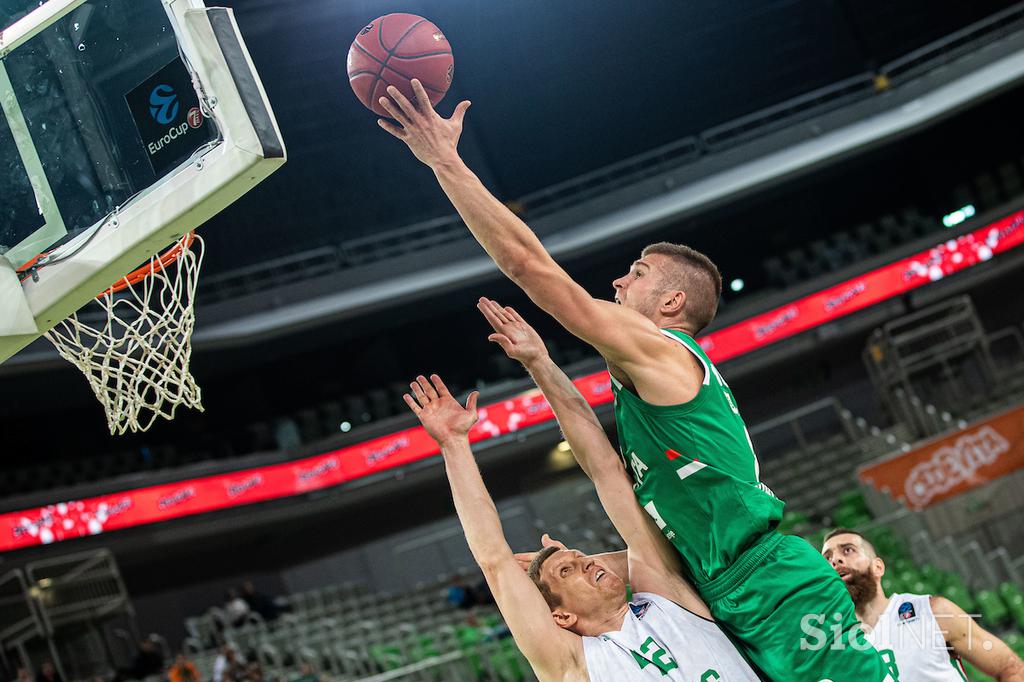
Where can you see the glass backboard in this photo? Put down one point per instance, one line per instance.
(71, 148)
(124, 124)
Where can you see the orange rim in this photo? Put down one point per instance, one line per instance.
(154, 266)
(135, 276)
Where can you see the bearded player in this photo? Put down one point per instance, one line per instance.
(680, 430)
(924, 636)
(572, 621)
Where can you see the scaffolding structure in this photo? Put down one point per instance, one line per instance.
(73, 610)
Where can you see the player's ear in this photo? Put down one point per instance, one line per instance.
(563, 619)
(877, 567)
(672, 303)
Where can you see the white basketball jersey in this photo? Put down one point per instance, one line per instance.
(908, 633)
(661, 640)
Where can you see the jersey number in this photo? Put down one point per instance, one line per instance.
(890, 661)
(652, 653)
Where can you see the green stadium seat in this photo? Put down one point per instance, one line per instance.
(887, 543)
(922, 586)
(993, 610)
(506, 663)
(388, 656)
(1015, 641)
(909, 576)
(952, 580)
(1014, 600)
(854, 498)
(891, 584)
(791, 520)
(932, 574)
(959, 596)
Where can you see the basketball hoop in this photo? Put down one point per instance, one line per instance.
(136, 354)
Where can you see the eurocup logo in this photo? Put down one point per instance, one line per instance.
(163, 104)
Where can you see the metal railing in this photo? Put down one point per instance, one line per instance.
(955, 45)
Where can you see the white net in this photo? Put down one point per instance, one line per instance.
(133, 342)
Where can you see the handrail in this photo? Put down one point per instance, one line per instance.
(916, 60)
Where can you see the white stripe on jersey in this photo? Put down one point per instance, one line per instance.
(660, 640)
(908, 631)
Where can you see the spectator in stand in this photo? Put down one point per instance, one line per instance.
(148, 660)
(183, 670)
(460, 594)
(306, 674)
(236, 608)
(24, 675)
(259, 602)
(253, 673)
(48, 673)
(229, 666)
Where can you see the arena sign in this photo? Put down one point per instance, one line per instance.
(948, 466)
(79, 518)
(942, 260)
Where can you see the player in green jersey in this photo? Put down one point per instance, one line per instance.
(679, 426)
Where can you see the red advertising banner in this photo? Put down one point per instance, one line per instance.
(91, 516)
(946, 467)
(78, 518)
(942, 260)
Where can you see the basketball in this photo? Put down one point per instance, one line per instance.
(394, 49)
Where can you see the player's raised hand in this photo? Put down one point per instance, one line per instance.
(526, 558)
(518, 339)
(441, 414)
(431, 138)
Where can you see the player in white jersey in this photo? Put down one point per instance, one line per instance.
(582, 627)
(923, 636)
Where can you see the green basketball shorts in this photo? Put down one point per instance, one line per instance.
(790, 614)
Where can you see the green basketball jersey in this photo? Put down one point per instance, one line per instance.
(695, 471)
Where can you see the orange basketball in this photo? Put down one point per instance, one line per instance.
(394, 49)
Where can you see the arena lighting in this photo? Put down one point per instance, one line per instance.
(958, 216)
(153, 504)
(737, 285)
(345, 427)
(560, 461)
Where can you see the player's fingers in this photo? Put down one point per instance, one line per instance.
(510, 311)
(413, 405)
(422, 98)
(499, 312)
(442, 390)
(471, 401)
(417, 391)
(488, 314)
(548, 541)
(460, 111)
(395, 112)
(428, 389)
(395, 130)
(403, 102)
(502, 340)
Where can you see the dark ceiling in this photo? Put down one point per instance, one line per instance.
(558, 89)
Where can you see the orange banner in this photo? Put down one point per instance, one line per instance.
(948, 466)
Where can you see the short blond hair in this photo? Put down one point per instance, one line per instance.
(695, 274)
(534, 573)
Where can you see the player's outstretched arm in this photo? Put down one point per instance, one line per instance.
(974, 644)
(619, 333)
(552, 651)
(654, 564)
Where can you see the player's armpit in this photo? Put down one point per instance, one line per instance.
(620, 334)
(974, 644)
(554, 653)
